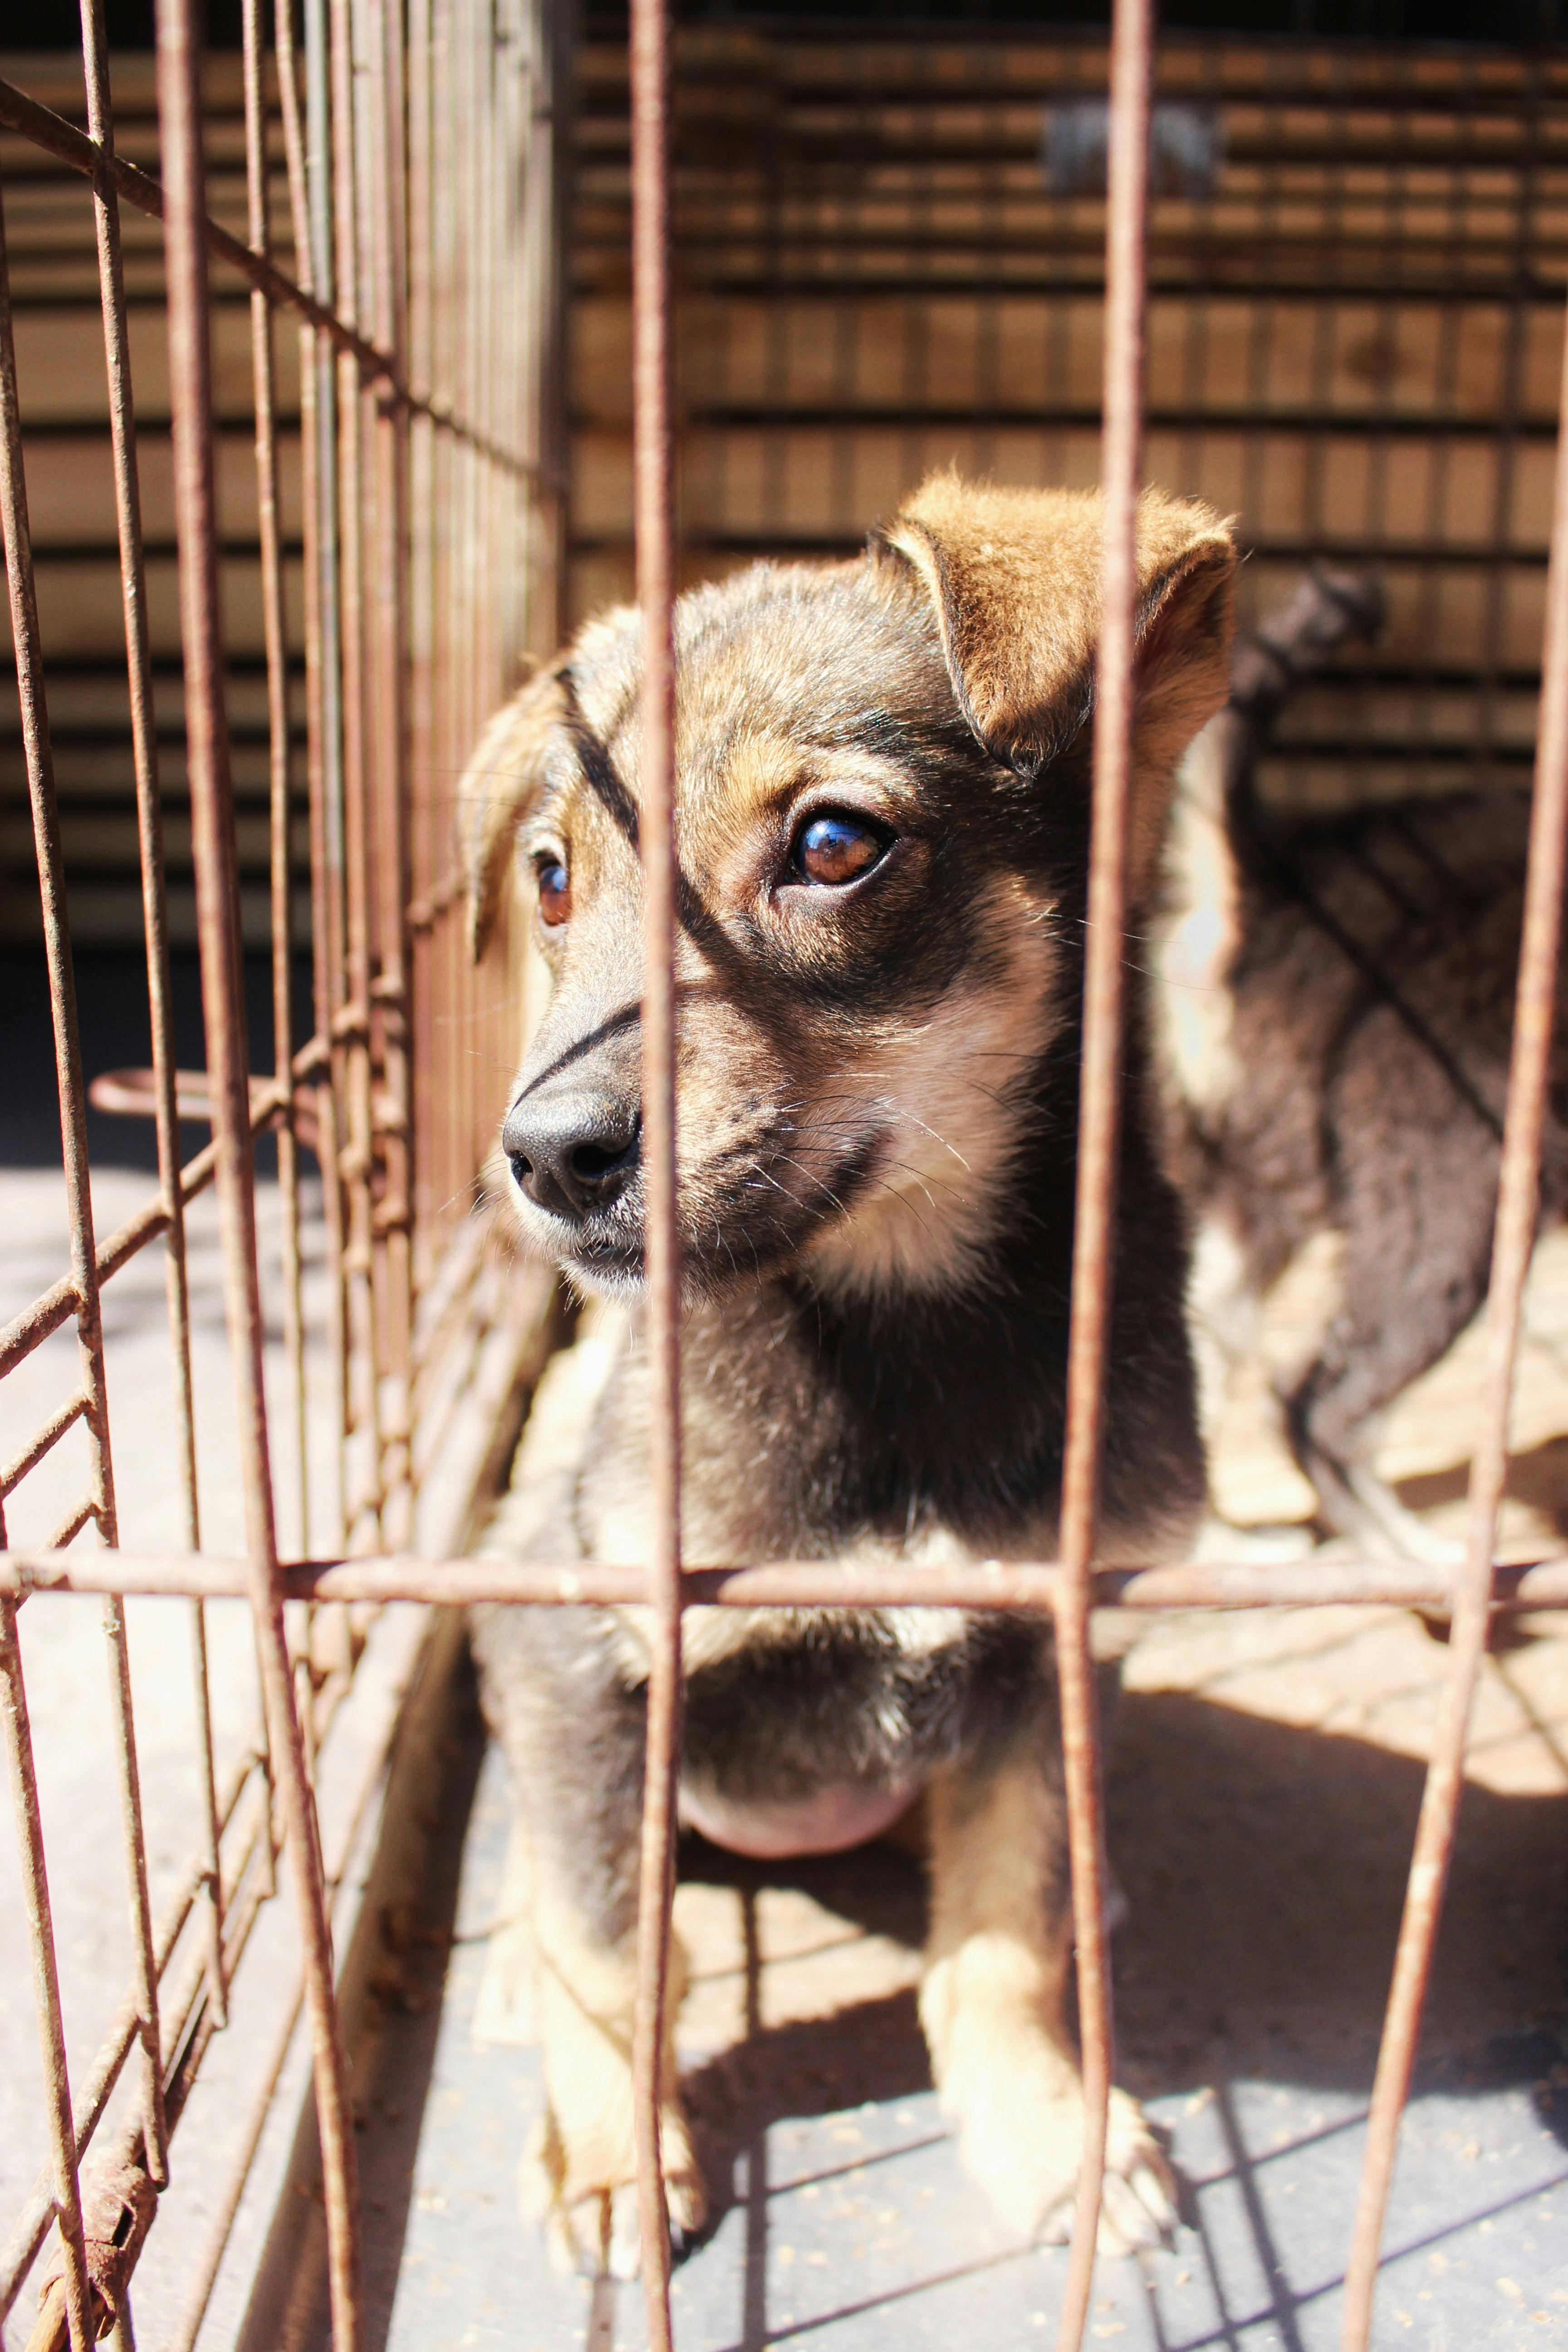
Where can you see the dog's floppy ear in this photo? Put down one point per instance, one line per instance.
(1013, 578)
(498, 786)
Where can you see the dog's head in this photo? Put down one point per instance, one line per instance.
(882, 808)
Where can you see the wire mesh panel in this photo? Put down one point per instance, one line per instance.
(320, 412)
(397, 254)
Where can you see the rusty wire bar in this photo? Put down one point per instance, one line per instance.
(311, 198)
(368, 1020)
(654, 496)
(394, 1208)
(67, 2188)
(156, 933)
(1100, 1104)
(1514, 1238)
(179, 97)
(279, 811)
(43, 128)
(28, 652)
(355, 1166)
(806, 1584)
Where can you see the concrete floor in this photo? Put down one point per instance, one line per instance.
(1264, 1786)
(1263, 1864)
(64, 1662)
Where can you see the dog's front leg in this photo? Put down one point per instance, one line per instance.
(993, 2006)
(574, 1733)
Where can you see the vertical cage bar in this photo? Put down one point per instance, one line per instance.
(469, 698)
(320, 611)
(328, 822)
(275, 641)
(45, 1979)
(393, 1121)
(653, 492)
(1513, 1241)
(427, 863)
(26, 644)
(357, 1161)
(449, 980)
(1100, 1105)
(122, 430)
(190, 375)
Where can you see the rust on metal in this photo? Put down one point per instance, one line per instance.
(1099, 1102)
(66, 2188)
(348, 1092)
(43, 128)
(275, 640)
(1518, 1210)
(1520, 1586)
(653, 490)
(179, 105)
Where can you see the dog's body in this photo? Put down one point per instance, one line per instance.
(1335, 1007)
(882, 821)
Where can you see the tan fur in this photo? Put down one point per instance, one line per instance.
(993, 2008)
(585, 2152)
(1013, 580)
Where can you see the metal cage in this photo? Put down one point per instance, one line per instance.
(376, 181)
(420, 176)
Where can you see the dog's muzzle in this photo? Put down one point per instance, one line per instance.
(572, 1152)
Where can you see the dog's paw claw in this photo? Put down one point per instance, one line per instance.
(1138, 2205)
(597, 2233)
(1026, 2155)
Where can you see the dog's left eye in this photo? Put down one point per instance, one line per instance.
(554, 889)
(837, 847)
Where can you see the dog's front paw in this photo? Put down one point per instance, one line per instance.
(1020, 2133)
(1138, 2196)
(592, 2223)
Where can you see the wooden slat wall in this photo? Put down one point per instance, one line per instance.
(1355, 334)
(70, 489)
(1354, 344)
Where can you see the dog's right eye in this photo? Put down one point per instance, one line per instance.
(837, 847)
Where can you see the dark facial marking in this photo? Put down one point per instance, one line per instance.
(598, 767)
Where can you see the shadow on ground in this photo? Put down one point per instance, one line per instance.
(1265, 1869)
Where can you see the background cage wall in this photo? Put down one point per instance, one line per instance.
(890, 256)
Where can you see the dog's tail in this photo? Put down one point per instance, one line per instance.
(1329, 609)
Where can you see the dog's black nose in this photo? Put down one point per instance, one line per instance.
(572, 1152)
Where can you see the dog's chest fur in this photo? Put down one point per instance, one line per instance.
(924, 1427)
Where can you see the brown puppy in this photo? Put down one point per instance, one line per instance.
(1334, 1008)
(882, 814)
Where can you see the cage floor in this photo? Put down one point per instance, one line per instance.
(1265, 1778)
(1263, 1794)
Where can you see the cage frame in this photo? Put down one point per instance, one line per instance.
(369, 411)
